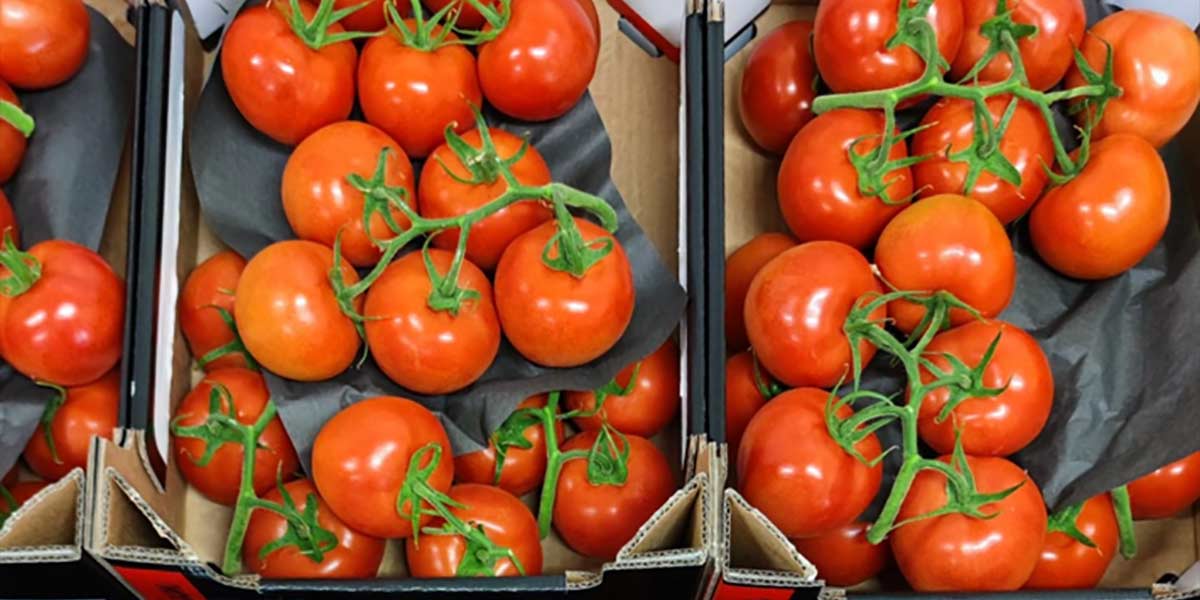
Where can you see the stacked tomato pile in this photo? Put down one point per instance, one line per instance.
(499, 254)
(898, 244)
(62, 308)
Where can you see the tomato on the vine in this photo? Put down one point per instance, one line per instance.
(740, 269)
(843, 556)
(210, 288)
(469, 17)
(1046, 54)
(371, 17)
(743, 397)
(87, 410)
(1066, 563)
(505, 520)
(650, 405)
(778, 86)
(523, 468)
(42, 42)
(12, 142)
(1166, 491)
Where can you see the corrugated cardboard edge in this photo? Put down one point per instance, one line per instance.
(38, 508)
(791, 568)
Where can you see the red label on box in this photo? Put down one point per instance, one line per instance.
(154, 584)
(729, 591)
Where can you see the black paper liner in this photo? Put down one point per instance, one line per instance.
(64, 187)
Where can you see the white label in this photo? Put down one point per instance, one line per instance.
(1187, 11)
(212, 15)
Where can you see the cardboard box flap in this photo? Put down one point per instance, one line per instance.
(47, 527)
(757, 552)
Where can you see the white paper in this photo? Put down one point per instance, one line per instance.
(212, 15)
(1187, 11)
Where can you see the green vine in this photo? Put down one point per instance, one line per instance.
(20, 120)
(47, 419)
(233, 347)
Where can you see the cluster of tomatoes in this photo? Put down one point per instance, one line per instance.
(898, 243)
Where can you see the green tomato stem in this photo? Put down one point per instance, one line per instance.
(19, 119)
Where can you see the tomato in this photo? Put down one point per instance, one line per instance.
(8, 220)
(790, 468)
(1026, 144)
(959, 553)
(210, 285)
(818, 185)
(12, 142)
(42, 42)
(740, 269)
(283, 87)
(320, 203)
(1156, 63)
(288, 314)
(649, 407)
(952, 243)
(21, 492)
(1166, 491)
(357, 555)
(1046, 55)
(504, 520)
(553, 318)
(219, 480)
(360, 459)
(441, 196)
(469, 17)
(778, 86)
(422, 349)
(1068, 564)
(540, 65)
(850, 39)
(69, 326)
(88, 410)
(843, 557)
(796, 308)
(999, 425)
(371, 16)
(743, 398)
(414, 94)
(1110, 216)
(597, 520)
(10, 478)
(523, 468)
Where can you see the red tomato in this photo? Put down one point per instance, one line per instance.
(952, 243)
(789, 467)
(89, 410)
(357, 555)
(12, 142)
(283, 87)
(21, 493)
(361, 457)
(42, 42)
(288, 315)
(553, 318)
(211, 284)
(220, 479)
(995, 426)
(442, 196)
(740, 269)
(371, 16)
(743, 399)
(540, 65)
(320, 203)
(778, 84)
(414, 94)
(468, 16)
(597, 520)
(843, 557)
(818, 190)
(1110, 216)
(796, 308)
(10, 478)
(8, 220)
(850, 40)
(1046, 54)
(1067, 564)
(649, 407)
(523, 468)
(1166, 491)
(959, 553)
(69, 326)
(1026, 144)
(424, 350)
(504, 519)
(1156, 63)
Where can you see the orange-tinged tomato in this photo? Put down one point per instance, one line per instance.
(1167, 490)
(211, 285)
(740, 269)
(523, 468)
(12, 142)
(506, 521)
(651, 404)
(42, 42)
(777, 87)
(743, 398)
(1046, 55)
(843, 557)
(1067, 564)
(88, 410)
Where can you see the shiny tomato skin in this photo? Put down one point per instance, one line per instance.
(648, 408)
(740, 269)
(219, 480)
(282, 87)
(1067, 564)
(288, 315)
(12, 143)
(371, 17)
(361, 457)
(42, 42)
(357, 555)
(1110, 216)
(1046, 55)
(1156, 63)
(1026, 144)
(596, 521)
(523, 468)
(543, 61)
(551, 317)
(776, 93)
(952, 243)
(743, 399)
(1166, 491)
(843, 557)
(507, 522)
(441, 196)
(964, 554)
(996, 426)
(796, 308)
(89, 410)
(320, 203)
(8, 221)
(213, 283)
(789, 467)
(818, 185)
(427, 351)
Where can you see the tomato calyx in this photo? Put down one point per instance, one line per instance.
(911, 27)
(767, 387)
(20, 120)
(964, 382)
(1065, 521)
(303, 529)
(427, 34)
(23, 269)
(47, 419)
(315, 32)
(496, 16)
(511, 434)
(874, 166)
(983, 154)
(608, 463)
(234, 346)
(1002, 32)
(483, 163)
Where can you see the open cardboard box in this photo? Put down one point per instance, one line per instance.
(752, 553)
